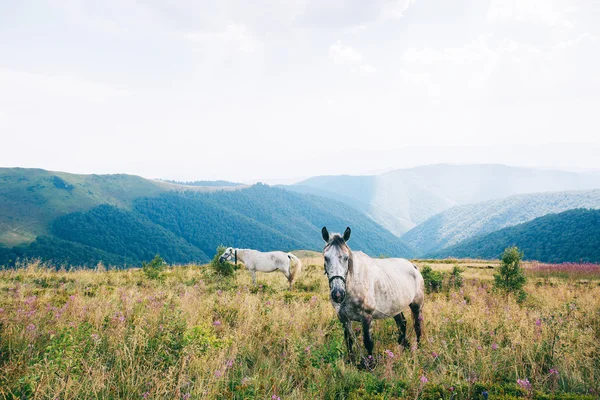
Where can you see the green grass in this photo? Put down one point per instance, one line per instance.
(118, 334)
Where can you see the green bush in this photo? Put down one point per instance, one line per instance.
(224, 268)
(510, 277)
(456, 279)
(433, 279)
(155, 268)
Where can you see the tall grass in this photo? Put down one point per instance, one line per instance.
(193, 334)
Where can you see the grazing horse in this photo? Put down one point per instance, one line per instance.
(270, 261)
(364, 289)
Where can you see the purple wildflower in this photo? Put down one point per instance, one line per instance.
(275, 397)
(553, 372)
(524, 384)
(538, 322)
(434, 354)
(423, 379)
(389, 353)
(31, 327)
(218, 373)
(217, 323)
(146, 395)
(494, 346)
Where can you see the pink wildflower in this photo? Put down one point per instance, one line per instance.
(435, 355)
(423, 379)
(218, 373)
(389, 353)
(538, 322)
(31, 327)
(217, 323)
(524, 384)
(494, 346)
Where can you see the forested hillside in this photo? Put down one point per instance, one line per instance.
(463, 222)
(187, 226)
(572, 235)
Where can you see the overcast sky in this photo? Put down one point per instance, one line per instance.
(274, 89)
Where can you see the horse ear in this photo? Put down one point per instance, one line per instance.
(347, 234)
(325, 234)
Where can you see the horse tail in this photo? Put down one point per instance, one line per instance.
(295, 266)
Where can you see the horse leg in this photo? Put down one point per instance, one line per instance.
(253, 275)
(417, 313)
(348, 337)
(401, 324)
(369, 362)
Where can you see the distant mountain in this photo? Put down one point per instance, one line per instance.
(572, 235)
(400, 200)
(206, 183)
(123, 220)
(463, 222)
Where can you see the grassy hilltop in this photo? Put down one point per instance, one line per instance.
(193, 334)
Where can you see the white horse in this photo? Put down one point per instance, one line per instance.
(270, 261)
(364, 289)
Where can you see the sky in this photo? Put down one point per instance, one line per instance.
(274, 90)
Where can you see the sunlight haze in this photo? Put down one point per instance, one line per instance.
(278, 91)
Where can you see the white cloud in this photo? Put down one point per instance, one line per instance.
(342, 54)
(367, 69)
(234, 35)
(12, 82)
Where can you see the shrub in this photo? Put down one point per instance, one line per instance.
(456, 279)
(154, 269)
(224, 268)
(510, 277)
(433, 279)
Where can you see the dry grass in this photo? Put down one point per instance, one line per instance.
(116, 334)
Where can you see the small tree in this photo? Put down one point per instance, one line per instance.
(154, 269)
(456, 279)
(224, 268)
(433, 279)
(510, 277)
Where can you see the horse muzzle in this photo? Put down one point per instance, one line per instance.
(338, 295)
(221, 259)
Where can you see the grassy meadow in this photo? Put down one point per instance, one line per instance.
(193, 334)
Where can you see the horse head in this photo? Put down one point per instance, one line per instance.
(338, 261)
(227, 254)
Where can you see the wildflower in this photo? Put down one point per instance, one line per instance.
(389, 353)
(553, 372)
(1, 310)
(485, 395)
(245, 380)
(268, 303)
(229, 363)
(538, 322)
(217, 323)
(423, 379)
(451, 388)
(218, 373)
(31, 327)
(219, 292)
(494, 346)
(95, 336)
(186, 396)
(275, 397)
(435, 355)
(307, 349)
(146, 395)
(524, 384)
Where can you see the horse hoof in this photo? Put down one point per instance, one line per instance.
(367, 363)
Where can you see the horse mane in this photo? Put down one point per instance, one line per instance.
(338, 241)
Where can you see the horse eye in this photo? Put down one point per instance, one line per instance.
(345, 258)
(326, 259)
